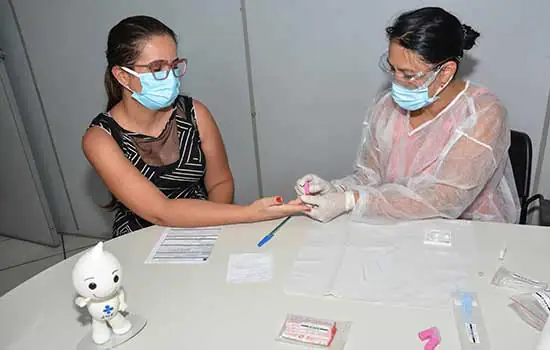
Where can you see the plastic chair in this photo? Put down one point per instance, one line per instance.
(521, 157)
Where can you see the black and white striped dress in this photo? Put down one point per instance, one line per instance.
(181, 179)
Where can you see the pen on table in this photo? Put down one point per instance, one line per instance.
(272, 233)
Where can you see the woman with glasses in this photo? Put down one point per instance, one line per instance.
(159, 153)
(434, 146)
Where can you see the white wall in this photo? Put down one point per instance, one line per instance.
(26, 95)
(315, 71)
(314, 67)
(24, 212)
(66, 41)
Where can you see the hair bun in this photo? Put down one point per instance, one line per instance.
(470, 36)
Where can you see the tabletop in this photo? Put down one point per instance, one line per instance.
(191, 306)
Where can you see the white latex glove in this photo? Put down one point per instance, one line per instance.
(316, 186)
(328, 206)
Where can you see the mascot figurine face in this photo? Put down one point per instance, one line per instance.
(97, 274)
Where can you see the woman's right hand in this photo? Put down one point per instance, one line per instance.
(274, 208)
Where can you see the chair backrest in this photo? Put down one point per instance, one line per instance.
(521, 154)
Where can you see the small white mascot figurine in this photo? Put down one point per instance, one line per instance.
(97, 277)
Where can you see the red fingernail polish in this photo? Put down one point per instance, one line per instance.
(279, 199)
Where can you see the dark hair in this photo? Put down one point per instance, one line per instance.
(433, 33)
(123, 48)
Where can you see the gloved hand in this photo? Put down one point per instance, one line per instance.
(316, 186)
(328, 206)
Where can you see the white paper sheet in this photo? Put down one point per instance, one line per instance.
(249, 268)
(184, 245)
(385, 264)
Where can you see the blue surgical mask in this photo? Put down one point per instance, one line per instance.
(155, 94)
(414, 99)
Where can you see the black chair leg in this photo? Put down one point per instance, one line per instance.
(523, 215)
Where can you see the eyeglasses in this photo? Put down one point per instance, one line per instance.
(413, 78)
(161, 68)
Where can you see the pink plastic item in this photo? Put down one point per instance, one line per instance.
(306, 188)
(432, 344)
(433, 335)
(427, 333)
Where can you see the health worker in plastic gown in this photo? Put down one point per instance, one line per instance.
(432, 147)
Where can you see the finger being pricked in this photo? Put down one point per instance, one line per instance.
(296, 201)
(293, 208)
(311, 201)
(299, 201)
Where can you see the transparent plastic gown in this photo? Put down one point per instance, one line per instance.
(454, 166)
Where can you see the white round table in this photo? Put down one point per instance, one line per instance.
(191, 306)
